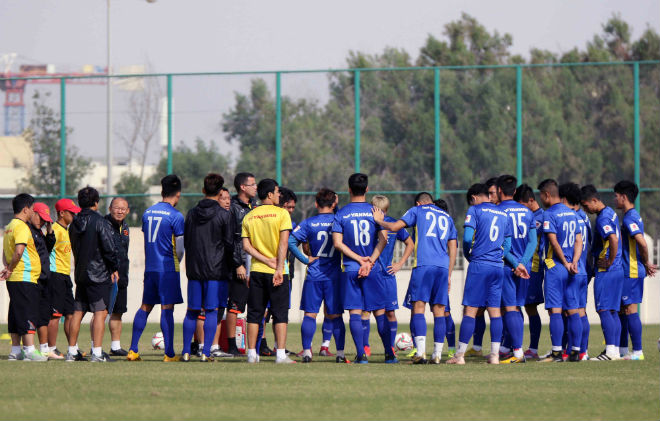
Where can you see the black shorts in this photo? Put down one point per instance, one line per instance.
(23, 307)
(92, 297)
(60, 289)
(121, 301)
(238, 295)
(44, 305)
(261, 292)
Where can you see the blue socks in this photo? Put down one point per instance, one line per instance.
(479, 330)
(439, 329)
(450, 331)
(515, 328)
(357, 331)
(366, 330)
(635, 328)
(495, 328)
(623, 338)
(210, 326)
(584, 344)
(307, 329)
(189, 325)
(339, 332)
(139, 323)
(617, 327)
(167, 326)
(534, 331)
(384, 333)
(393, 326)
(556, 331)
(574, 332)
(326, 328)
(419, 322)
(467, 329)
(607, 324)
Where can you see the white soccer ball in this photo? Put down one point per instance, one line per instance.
(404, 342)
(157, 341)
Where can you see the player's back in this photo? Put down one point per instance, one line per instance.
(161, 224)
(434, 228)
(631, 226)
(584, 226)
(491, 226)
(607, 223)
(562, 221)
(317, 232)
(360, 232)
(387, 254)
(521, 222)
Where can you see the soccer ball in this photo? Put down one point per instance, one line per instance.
(403, 342)
(157, 341)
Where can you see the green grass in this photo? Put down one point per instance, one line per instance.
(323, 390)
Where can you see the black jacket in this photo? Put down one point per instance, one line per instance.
(238, 210)
(44, 245)
(209, 242)
(93, 248)
(120, 233)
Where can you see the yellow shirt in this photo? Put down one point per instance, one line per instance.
(262, 226)
(60, 257)
(29, 267)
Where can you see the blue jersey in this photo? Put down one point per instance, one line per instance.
(607, 223)
(521, 223)
(387, 254)
(632, 225)
(161, 224)
(537, 258)
(491, 227)
(356, 222)
(562, 221)
(434, 228)
(317, 232)
(585, 229)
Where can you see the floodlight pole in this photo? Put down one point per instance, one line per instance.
(108, 151)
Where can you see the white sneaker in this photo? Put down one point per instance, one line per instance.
(253, 360)
(285, 360)
(35, 356)
(16, 357)
(218, 353)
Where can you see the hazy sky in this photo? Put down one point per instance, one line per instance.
(214, 35)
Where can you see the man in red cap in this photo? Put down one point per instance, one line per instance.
(60, 286)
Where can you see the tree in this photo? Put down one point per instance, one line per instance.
(43, 134)
(131, 184)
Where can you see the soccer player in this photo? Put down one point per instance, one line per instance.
(265, 235)
(96, 266)
(562, 252)
(323, 274)
(435, 254)
(360, 240)
(525, 196)
(515, 273)
(486, 240)
(636, 266)
(209, 240)
(163, 228)
(450, 333)
(21, 271)
(608, 280)
(119, 210)
(60, 287)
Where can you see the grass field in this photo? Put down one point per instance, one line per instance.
(323, 390)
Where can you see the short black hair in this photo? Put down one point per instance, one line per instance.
(287, 195)
(570, 192)
(171, 185)
(325, 198)
(627, 188)
(224, 189)
(358, 184)
(476, 189)
(88, 197)
(241, 179)
(523, 193)
(212, 184)
(442, 204)
(265, 186)
(589, 192)
(490, 182)
(21, 201)
(507, 183)
(549, 186)
(423, 196)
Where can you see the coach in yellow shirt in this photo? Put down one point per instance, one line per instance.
(265, 233)
(22, 269)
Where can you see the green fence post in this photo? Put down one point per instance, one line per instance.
(519, 158)
(436, 116)
(169, 124)
(278, 128)
(636, 118)
(62, 137)
(357, 119)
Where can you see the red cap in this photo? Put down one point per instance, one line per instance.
(66, 205)
(43, 211)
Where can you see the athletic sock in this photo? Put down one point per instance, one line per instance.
(97, 351)
(495, 334)
(366, 330)
(44, 349)
(556, 331)
(326, 327)
(515, 328)
(384, 333)
(575, 331)
(419, 322)
(607, 324)
(281, 353)
(252, 353)
(139, 323)
(357, 332)
(450, 331)
(564, 337)
(479, 330)
(534, 331)
(115, 345)
(584, 343)
(623, 337)
(210, 326)
(506, 341)
(73, 350)
(393, 326)
(29, 349)
(439, 330)
(15, 349)
(167, 326)
(437, 348)
(307, 329)
(189, 325)
(617, 327)
(465, 333)
(215, 347)
(635, 328)
(339, 332)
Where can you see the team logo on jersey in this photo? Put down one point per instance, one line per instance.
(538, 224)
(468, 219)
(546, 225)
(126, 232)
(607, 229)
(297, 229)
(633, 227)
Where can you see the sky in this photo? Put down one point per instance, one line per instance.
(251, 35)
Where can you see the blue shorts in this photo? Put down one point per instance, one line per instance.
(365, 294)
(608, 288)
(534, 288)
(556, 280)
(428, 284)
(514, 289)
(633, 291)
(583, 282)
(162, 288)
(207, 295)
(389, 283)
(483, 285)
(315, 292)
